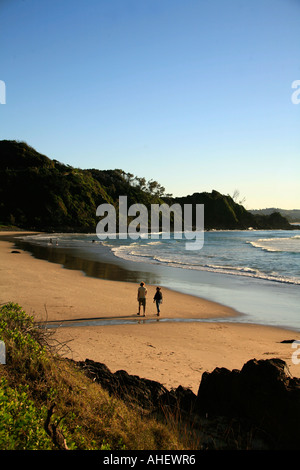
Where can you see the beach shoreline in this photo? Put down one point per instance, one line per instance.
(173, 352)
(257, 300)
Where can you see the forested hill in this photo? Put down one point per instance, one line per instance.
(292, 215)
(39, 193)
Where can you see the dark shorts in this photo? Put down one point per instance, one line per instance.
(142, 302)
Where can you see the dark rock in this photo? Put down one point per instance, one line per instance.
(263, 394)
(216, 395)
(149, 395)
(180, 400)
(186, 398)
(146, 393)
(255, 407)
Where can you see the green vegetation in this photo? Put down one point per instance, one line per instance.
(21, 422)
(46, 402)
(221, 212)
(38, 193)
(42, 194)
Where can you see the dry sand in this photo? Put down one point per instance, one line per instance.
(173, 353)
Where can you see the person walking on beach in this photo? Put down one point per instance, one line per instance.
(141, 296)
(158, 299)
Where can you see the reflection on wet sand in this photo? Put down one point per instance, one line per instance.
(93, 268)
(122, 320)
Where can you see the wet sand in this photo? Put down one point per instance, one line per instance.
(173, 353)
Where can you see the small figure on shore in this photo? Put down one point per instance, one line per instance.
(141, 297)
(50, 241)
(158, 299)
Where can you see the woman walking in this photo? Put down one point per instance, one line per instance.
(158, 299)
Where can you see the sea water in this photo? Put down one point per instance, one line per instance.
(255, 272)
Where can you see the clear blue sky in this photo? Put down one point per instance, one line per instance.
(195, 94)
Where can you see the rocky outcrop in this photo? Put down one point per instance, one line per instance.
(127, 387)
(263, 394)
(255, 407)
(147, 394)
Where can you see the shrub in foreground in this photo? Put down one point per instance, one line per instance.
(47, 402)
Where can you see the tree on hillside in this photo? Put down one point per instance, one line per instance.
(236, 196)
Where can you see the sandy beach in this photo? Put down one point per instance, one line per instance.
(173, 353)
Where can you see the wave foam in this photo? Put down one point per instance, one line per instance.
(168, 254)
(129, 255)
(284, 244)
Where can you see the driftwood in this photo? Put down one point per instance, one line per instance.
(53, 430)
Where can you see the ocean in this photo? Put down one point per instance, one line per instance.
(255, 272)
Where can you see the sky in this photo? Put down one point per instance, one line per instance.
(195, 94)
